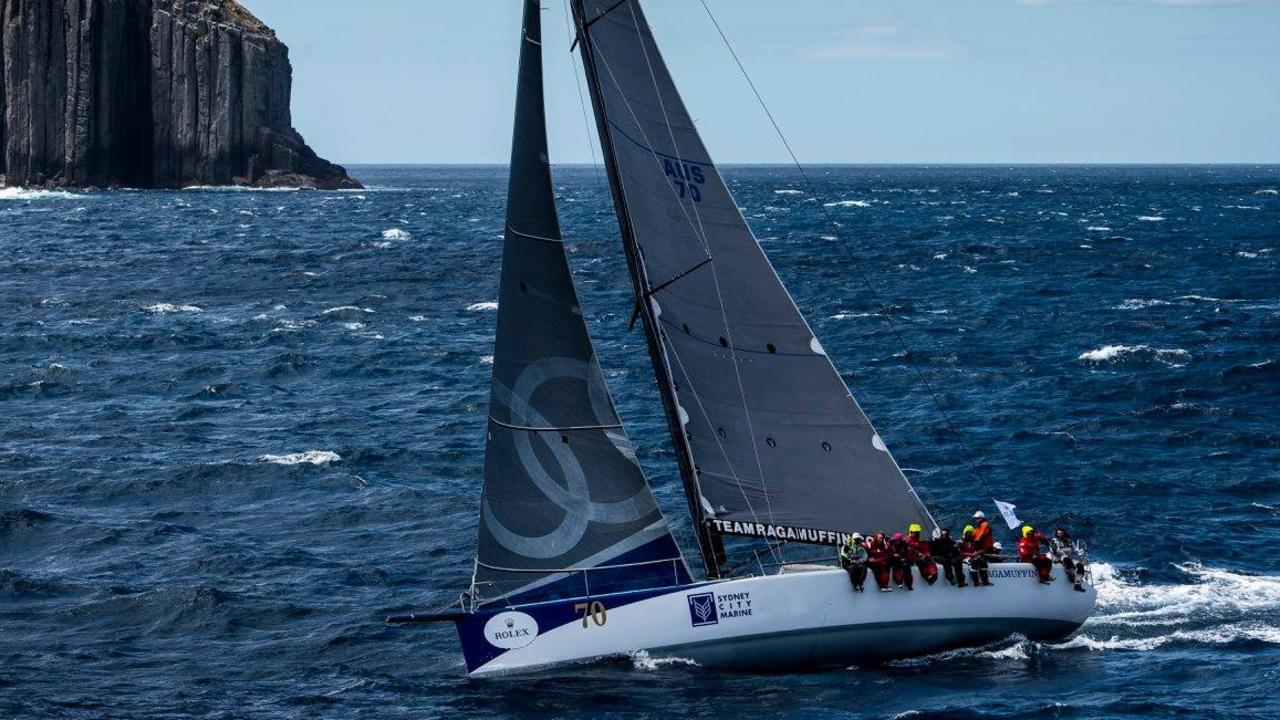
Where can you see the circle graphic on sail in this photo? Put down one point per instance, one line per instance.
(532, 431)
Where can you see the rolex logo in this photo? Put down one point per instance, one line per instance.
(510, 622)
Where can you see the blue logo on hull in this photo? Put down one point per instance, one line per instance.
(702, 609)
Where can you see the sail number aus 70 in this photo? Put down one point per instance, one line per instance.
(592, 611)
(686, 177)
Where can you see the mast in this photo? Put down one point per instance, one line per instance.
(709, 545)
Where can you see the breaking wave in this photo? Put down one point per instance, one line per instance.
(169, 308)
(1135, 353)
(848, 203)
(641, 660)
(310, 457)
(482, 306)
(395, 234)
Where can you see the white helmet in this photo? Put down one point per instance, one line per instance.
(856, 537)
(980, 514)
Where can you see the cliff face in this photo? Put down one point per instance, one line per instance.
(148, 93)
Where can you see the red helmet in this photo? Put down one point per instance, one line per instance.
(897, 536)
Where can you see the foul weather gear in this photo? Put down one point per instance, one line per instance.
(879, 560)
(1068, 552)
(972, 553)
(901, 557)
(947, 554)
(853, 558)
(924, 555)
(1029, 552)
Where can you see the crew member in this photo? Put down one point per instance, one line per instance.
(982, 532)
(879, 560)
(901, 558)
(924, 555)
(1029, 552)
(943, 549)
(853, 558)
(1068, 552)
(972, 553)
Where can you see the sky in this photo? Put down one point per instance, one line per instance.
(849, 81)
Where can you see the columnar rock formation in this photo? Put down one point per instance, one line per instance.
(148, 93)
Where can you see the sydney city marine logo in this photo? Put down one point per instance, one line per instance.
(709, 608)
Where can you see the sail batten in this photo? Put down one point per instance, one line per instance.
(773, 437)
(564, 503)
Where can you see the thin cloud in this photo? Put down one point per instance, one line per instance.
(1176, 3)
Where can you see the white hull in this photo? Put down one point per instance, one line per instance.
(779, 622)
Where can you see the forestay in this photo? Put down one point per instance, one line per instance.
(779, 447)
(565, 509)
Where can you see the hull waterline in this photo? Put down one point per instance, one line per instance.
(784, 622)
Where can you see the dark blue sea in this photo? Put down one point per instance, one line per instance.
(239, 428)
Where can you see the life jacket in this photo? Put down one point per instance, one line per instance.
(982, 535)
(921, 547)
(902, 551)
(1028, 548)
(877, 550)
(969, 548)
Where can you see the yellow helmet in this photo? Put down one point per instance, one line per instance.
(914, 527)
(1027, 530)
(968, 528)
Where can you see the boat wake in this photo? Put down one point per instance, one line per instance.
(1214, 607)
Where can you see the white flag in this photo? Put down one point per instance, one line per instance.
(1006, 509)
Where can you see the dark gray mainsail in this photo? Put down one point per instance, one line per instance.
(562, 489)
(775, 445)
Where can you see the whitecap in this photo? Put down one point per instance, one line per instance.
(482, 306)
(417, 318)
(1267, 191)
(395, 234)
(310, 457)
(787, 192)
(1106, 353)
(1246, 254)
(345, 308)
(1150, 218)
(1098, 228)
(353, 325)
(166, 308)
(486, 359)
(848, 203)
(1139, 304)
(239, 188)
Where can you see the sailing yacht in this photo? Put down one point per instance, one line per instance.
(575, 560)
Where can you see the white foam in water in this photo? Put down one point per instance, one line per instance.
(1170, 356)
(486, 359)
(346, 308)
(1217, 607)
(482, 306)
(239, 188)
(1150, 218)
(848, 203)
(18, 193)
(1267, 191)
(787, 192)
(395, 234)
(310, 457)
(1137, 304)
(641, 660)
(1098, 228)
(166, 308)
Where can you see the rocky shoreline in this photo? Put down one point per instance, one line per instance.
(151, 94)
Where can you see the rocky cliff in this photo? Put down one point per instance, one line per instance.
(148, 93)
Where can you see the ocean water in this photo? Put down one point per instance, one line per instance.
(239, 428)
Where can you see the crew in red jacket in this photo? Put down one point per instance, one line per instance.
(901, 558)
(1029, 552)
(879, 559)
(924, 560)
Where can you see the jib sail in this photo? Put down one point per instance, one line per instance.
(566, 510)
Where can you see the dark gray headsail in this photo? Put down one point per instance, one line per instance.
(776, 445)
(562, 490)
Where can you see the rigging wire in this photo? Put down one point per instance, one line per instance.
(586, 123)
(885, 308)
